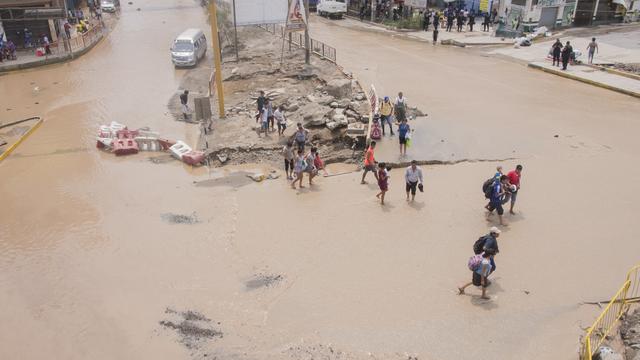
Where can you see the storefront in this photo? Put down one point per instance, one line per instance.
(36, 16)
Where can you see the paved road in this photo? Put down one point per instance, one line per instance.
(565, 132)
(90, 263)
(479, 107)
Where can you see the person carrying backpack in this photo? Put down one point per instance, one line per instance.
(480, 265)
(498, 191)
(488, 244)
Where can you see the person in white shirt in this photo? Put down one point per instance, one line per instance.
(413, 178)
(400, 107)
(281, 121)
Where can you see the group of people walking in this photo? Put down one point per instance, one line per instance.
(297, 163)
(499, 189)
(269, 118)
(413, 175)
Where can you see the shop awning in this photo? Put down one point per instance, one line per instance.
(622, 3)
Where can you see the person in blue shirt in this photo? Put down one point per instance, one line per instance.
(403, 131)
(497, 193)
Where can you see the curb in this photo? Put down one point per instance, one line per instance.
(55, 60)
(614, 71)
(405, 32)
(591, 82)
(22, 138)
(362, 89)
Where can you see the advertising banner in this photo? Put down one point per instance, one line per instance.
(258, 12)
(484, 5)
(373, 100)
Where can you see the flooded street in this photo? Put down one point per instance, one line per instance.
(123, 258)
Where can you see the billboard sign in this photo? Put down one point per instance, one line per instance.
(257, 12)
(297, 18)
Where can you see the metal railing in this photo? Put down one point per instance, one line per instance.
(297, 38)
(619, 304)
(87, 38)
(79, 42)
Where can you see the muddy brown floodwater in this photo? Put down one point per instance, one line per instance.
(127, 258)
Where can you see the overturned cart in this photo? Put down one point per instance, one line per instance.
(120, 140)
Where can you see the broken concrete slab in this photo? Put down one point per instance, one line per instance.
(339, 88)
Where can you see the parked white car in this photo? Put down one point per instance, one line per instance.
(332, 9)
(109, 5)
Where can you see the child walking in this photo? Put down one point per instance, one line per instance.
(287, 153)
(383, 182)
(299, 167)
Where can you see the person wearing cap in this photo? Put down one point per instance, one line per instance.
(386, 113)
(413, 178)
(491, 246)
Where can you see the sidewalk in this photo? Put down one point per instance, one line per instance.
(590, 75)
(79, 46)
(462, 39)
(614, 47)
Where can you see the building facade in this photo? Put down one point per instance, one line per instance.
(561, 13)
(38, 16)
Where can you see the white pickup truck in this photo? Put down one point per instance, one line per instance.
(332, 9)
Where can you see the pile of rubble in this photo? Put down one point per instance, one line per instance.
(119, 140)
(633, 68)
(630, 333)
(320, 96)
(333, 104)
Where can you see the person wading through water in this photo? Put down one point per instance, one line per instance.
(184, 101)
(369, 162)
(400, 107)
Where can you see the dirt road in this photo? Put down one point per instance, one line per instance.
(104, 258)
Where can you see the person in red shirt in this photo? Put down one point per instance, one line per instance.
(369, 162)
(383, 182)
(514, 178)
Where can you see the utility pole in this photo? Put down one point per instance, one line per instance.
(235, 30)
(307, 41)
(215, 43)
(373, 10)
